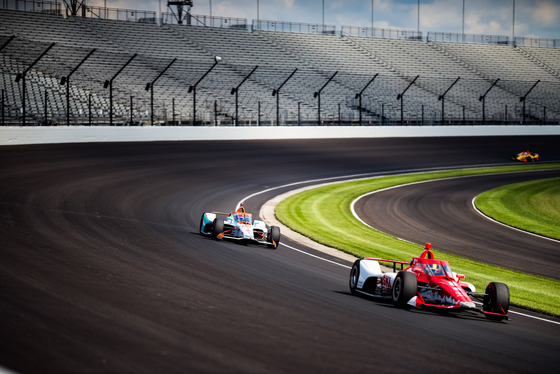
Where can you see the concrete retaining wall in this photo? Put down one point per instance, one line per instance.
(81, 134)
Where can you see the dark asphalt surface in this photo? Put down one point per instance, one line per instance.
(102, 269)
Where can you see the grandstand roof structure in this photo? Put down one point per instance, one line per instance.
(419, 79)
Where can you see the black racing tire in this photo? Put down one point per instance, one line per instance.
(354, 276)
(404, 288)
(274, 237)
(496, 299)
(217, 228)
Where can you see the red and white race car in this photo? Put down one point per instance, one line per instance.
(427, 283)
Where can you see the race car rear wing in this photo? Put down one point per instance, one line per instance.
(394, 262)
(225, 214)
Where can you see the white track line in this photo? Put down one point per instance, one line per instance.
(534, 317)
(315, 256)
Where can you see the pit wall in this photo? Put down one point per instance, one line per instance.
(86, 134)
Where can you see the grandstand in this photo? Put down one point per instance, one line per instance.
(416, 78)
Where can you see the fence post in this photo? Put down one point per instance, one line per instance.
(89, 109)
(46, 107)
(3, 117)
(215, 112)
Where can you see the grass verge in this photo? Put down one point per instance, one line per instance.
(533, 206)
(324, 215)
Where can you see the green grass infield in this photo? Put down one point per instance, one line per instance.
(324, 215)
(532, 206)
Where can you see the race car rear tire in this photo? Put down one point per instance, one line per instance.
(354, 276)
(496, 299)
(404, 288)
(274, 237)
(217, 228)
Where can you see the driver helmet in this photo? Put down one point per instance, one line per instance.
(436, 269)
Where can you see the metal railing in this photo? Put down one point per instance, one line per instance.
(368, 32)
(537, 42)
(207, 21)
(59, 8)
(295, 27)
(467, 38)
(50, 7)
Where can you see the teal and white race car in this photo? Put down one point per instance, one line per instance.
(239, 225)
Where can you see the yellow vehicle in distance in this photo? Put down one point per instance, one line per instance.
(525, 156)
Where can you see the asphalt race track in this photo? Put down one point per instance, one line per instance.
(102, 268)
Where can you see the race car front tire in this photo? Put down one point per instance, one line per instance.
(274, 237)
(217, 228)
(496, 299)
(354, 276)
(404, 288)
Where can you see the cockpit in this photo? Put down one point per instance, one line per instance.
(437, 269)
(243, 218)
